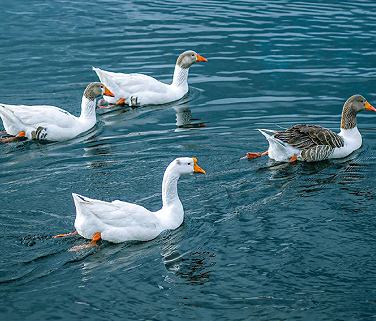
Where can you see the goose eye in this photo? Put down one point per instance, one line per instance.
(362, 101)
(101, 86)
(189, 163)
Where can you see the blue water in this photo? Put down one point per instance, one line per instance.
(260, 241)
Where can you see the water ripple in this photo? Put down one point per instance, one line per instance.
(260, 239)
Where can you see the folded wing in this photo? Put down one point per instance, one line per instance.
(125, 85)
(309, 136)
(117, 214)
(32, 115)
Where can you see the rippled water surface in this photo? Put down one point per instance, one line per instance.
(261, 240)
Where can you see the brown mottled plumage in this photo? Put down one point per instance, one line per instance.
(315, 143)
(306, 136)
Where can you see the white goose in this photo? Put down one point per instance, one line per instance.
(312, 143)
(120, 221)
(139, 89)
(49, 122)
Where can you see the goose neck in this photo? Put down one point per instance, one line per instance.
(87, 108)
(180, 76)
(170, 188)
(348, 120)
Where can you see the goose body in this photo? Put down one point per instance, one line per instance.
(50, 122)
(120, 221)
(313, 143)
(139, 89)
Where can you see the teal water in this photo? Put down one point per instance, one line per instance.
(260, 241)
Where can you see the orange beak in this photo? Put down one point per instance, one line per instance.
(197, 169)
(107, 92)
(200, 58)
(369, 107)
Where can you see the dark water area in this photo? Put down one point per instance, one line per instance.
(260, 240)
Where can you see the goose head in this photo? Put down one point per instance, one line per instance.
(95, 90)
(185, 165)
(352, 106)
(188, 58)
(358, 103)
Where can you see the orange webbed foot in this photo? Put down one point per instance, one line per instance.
(251, 155)
(9, 139)
(121, 101)
(64, 235)
(254, 155)
(293, 159)
(21, 134)
(93, 243)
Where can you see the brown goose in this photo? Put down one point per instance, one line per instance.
(312, 143)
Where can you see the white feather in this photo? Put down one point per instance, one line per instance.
(279, 150)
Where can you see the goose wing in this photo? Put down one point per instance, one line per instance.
(124, 85)
(304, 136)
(37, 115)
(117, 213)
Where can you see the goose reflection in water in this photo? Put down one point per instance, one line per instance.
(184, 119)
(192, 267)
(309, 180)
(110, 113)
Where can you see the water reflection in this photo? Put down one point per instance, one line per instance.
(115, 114)
(319, 179)
(184, 119)
(124, 256)
(97, 151)
(192, 267)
